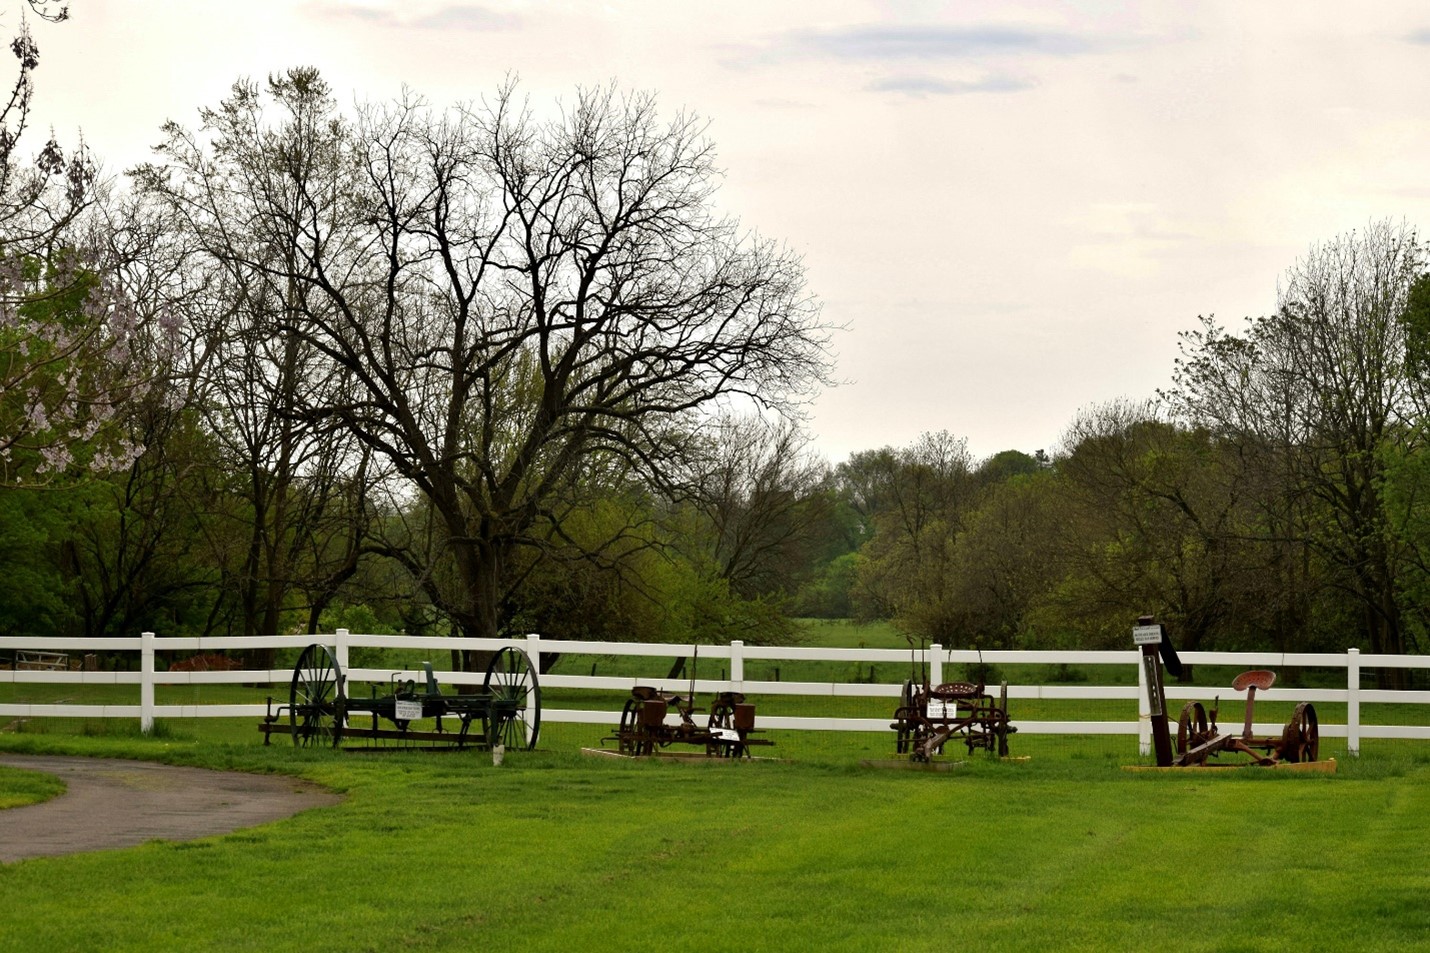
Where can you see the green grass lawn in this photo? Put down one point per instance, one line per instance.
(556, 851)
(19, 787)
(559, 851)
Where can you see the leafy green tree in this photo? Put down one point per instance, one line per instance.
(35, 597)
(1006, 560)
(905, 570)
(1317, 394)
(1157, 520)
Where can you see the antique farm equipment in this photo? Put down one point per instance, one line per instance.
(1199, 739)
(930, 717)
(646, 724)
(506, 711)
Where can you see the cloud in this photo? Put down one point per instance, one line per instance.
(929, 43)
(464, 17)
(467, 17)
(934, 86)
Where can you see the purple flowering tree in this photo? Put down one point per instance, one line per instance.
(68, 328)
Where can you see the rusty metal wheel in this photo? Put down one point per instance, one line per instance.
(905, 715)
(1301, 741)
(626, 730)
(1191, 726)
(722, 719)
(904, 729)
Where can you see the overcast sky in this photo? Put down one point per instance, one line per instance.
(1013, 207)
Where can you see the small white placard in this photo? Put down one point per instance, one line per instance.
(406, 710)
(1147, 635)
(942, 710)
(725, 734)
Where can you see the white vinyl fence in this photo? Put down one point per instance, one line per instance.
(46, 660)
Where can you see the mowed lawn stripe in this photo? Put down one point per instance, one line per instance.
(553, 851)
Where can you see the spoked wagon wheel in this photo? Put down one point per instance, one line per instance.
(1191, 726)
(1301, 741)
(515, 720)
(316, 705)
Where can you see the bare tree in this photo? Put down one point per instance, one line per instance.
(36, 198)
(508, 302)
(759, 491)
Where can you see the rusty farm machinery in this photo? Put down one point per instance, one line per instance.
(412, 712)
(1198, 737)
(929, 717)
(652, 720)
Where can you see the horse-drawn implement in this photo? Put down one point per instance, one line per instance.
(930, 717)
(646, 725)
(506, 711)
(1198, 740)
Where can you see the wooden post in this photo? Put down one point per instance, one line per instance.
(1148, 635)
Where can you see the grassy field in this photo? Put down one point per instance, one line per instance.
(558, 851)
(555, 851)
(19, 787)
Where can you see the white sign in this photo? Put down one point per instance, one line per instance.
(406, 710)
(725, 734)
(942, 710)
(1147, 635)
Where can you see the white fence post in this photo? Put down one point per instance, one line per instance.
(1144, 712)
(1353, 702)
(935, 658)
(340, 650)
(737, 666)
(146, 682)
(533, 650)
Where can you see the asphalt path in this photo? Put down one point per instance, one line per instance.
(112, 803)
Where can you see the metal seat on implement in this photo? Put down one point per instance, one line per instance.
(953, 691)
(1259, 679)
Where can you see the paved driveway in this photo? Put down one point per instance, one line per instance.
(113, 803)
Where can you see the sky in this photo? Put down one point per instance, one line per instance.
(1010, 209)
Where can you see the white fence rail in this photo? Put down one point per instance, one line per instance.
(734, 655)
